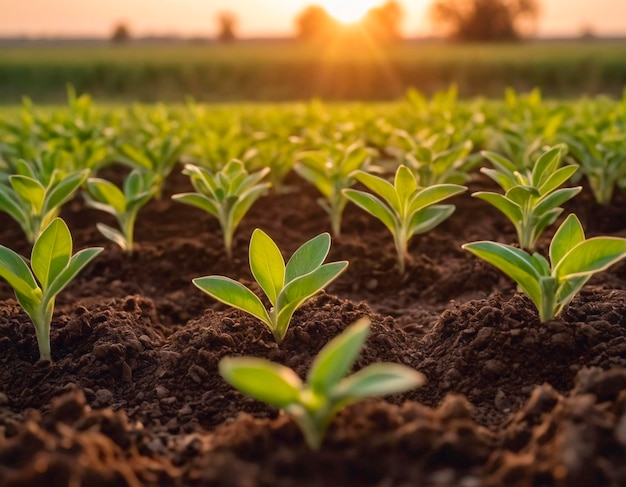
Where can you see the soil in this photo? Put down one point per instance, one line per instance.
(133, 397)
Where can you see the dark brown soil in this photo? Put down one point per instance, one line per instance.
(133, 397)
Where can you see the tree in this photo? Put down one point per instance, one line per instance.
(484, 20)
(383, 22)
(315, 23)
(227, 24)
(121, 33)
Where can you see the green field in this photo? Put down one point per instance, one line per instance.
(280, 71)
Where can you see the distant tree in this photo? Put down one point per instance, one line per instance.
(121, 33)
(315, 23)
(484, 20)
(227, 23)
(383, 22)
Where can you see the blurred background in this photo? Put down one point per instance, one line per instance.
(285, 50)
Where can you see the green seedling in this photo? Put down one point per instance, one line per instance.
(227, 194)
(532, 199)
(138, 188)
(53, 268)
(35, 202)
(286, 286)
(405, 208)
(331, 173)
(314, 404)
(573, 260)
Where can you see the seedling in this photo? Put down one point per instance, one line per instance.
(139, 187)
(532, 199)
(314, 404)
(573, 260)
(34, 202)
(331, 173)
(53, 268)
(403, 207)
(286, 286)
(227, 194)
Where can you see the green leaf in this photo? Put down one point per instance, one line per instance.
(557, 178)
(234, 294)
(78, 261)
(106, 192)
(515, 263)
(373, 206)
(434, 194)
(405, 185)
(261, 379)
(511, 210)
(246, 200)
(378, 380)
(425, 220)
(29, 190)
(267, 264)
(555, 199)
(113, 235)
(336, 358)
(199, 201)
(545, 166)
(308, 257)
(9, 203)
(15, 271)
(591, 256)
(51, 252)
(568, 235)
(381, 187)
(64, 190)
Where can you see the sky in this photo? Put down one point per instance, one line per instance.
(47, 18)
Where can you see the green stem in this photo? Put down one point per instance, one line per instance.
(401, 243)
(42, 319)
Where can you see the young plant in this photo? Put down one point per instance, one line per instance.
(532, 199)
(314, 404)
(34, 200)
(331, 173)
(405, 208)
(138, 188)
(53, 268)
(573, 260)
(286, 286)
(227, 194)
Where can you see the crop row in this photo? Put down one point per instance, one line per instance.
(408, 169)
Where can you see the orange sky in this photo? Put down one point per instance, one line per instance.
(257, 17)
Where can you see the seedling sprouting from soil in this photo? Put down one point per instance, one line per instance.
(139, 187)
(227, 194)
(405, 208)
(532, 199)
(573, 260)
(286, 286)
(53, 268)
(331, 173)
(327, 390)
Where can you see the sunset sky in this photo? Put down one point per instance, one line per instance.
(258, 17)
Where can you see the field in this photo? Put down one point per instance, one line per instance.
(287, 71)
(133, 395)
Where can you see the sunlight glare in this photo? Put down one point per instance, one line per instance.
(349, 11)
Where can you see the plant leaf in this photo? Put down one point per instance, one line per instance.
(234, 294)
(78, 261)
(377, 380)
(381, 187)
(334, 361)
(373, 206)
(51, 252)
(199, 201)
(510, 209)
(591, 256)
(29, 190)
(434, 194)
(106, 192)
(15, 271)
(113, 235)
(308, 257)
(568, 235)
(267, 264)
(261, 379)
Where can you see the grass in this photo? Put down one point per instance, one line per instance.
(281, 71)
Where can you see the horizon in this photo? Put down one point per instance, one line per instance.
(258, 18)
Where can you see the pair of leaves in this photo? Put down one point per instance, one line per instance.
(53, 268)
(227, 194)
(551, 285)
(532, 199)
(138, 188)
(403, 207)
(286, 286)
(327, 390)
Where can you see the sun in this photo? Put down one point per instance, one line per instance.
(349, 11)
